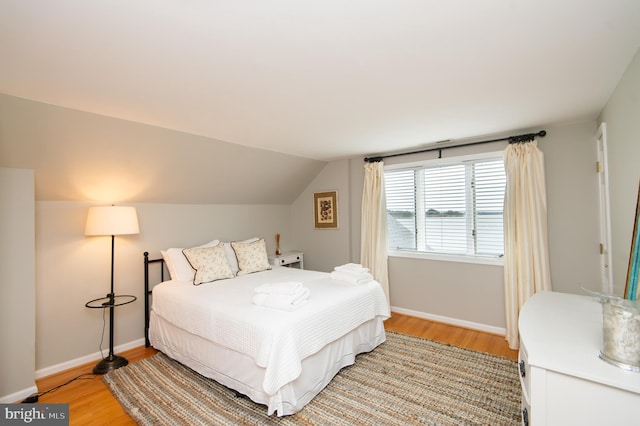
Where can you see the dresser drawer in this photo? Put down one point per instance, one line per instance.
(524, 371)
(525, 413)
(286, 260)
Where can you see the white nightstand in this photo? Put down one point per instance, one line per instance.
(292, 259)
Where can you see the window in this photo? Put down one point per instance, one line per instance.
(452, 209)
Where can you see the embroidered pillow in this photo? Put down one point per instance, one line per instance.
(231, 255)
(178, 265)
(210, 264)
(252, 257)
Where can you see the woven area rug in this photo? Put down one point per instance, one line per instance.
(406, 380)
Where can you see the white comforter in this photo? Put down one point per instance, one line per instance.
(277, 340)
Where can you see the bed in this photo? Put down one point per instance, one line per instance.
(276, 357)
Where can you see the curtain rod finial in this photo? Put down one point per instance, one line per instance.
(373, 159)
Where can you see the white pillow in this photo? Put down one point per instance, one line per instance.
(231, 255)
(210, 264)
(168, 261)
(178, 265)
(252, 256)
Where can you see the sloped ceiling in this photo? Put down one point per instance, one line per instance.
(324, 79)
(81, 156)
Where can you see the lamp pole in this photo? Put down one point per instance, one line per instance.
(111, 362)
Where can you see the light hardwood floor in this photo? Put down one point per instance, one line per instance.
(91, 403)
(457, 336)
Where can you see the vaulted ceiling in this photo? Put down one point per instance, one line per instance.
(321, 79)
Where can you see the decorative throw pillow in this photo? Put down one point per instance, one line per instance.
(252, 257)
(178, 265)
(231, 255)
(210, 264)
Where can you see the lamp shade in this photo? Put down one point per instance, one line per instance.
(111, 220)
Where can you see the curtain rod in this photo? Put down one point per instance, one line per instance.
(527, 137)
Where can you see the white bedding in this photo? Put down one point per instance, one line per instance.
(276, 340)
(239, 372)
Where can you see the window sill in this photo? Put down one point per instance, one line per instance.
(495, 261)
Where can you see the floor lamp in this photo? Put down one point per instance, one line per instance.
(105, 221)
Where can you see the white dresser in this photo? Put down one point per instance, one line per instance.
(564, 382)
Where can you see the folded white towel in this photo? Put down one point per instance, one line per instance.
(354, 275)
(351, 267)
(363, 278)
(286, 302)
(289, 287)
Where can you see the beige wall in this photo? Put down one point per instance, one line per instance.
(573, 209)
(622, 115)
(73, 269)
(324, 248)
(17, 291)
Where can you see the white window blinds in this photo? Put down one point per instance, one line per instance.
(452, 209)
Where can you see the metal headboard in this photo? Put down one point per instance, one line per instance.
(147, 293)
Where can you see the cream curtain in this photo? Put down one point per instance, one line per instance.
(373, 246)
(526, 253)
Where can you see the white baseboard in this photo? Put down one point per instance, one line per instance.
(452, 321)
(18, 396)
(96, 356)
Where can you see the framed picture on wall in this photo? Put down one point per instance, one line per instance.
(325, 209)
